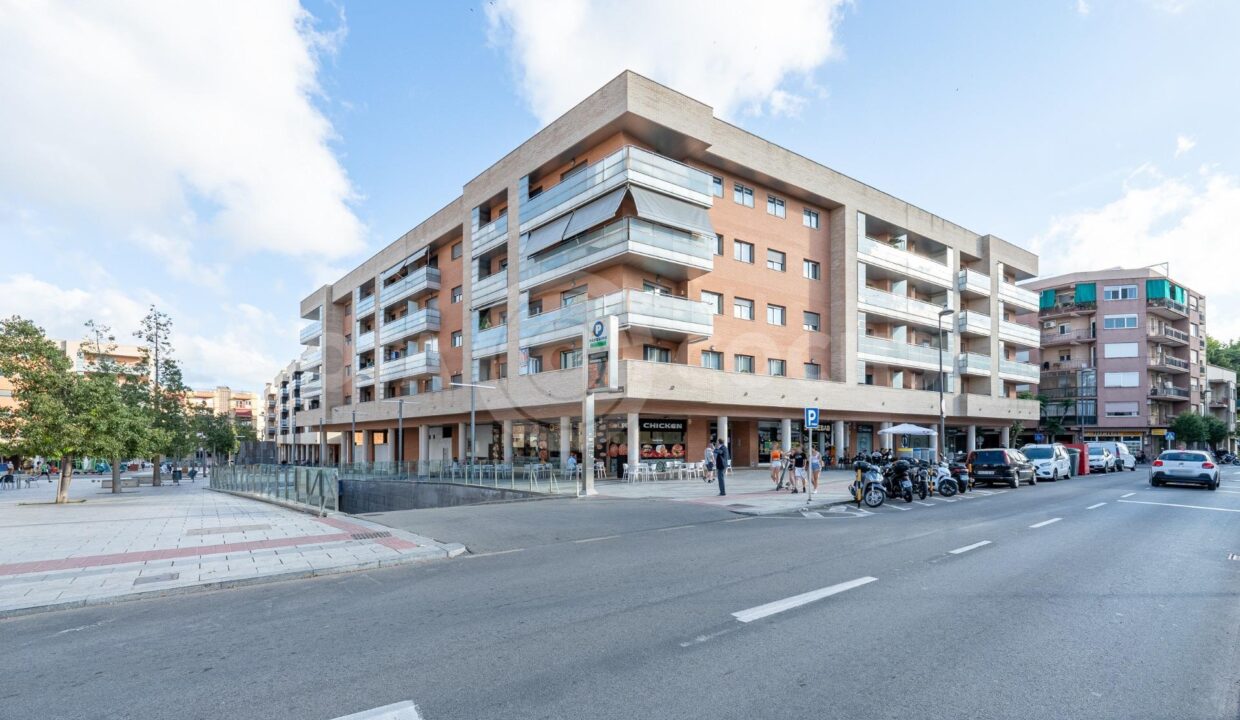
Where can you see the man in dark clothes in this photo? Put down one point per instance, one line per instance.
(722, 457)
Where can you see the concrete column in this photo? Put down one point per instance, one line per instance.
(461, 448)
(971, 439)
(785, 434)
(507, 440)
(368, 446)
(1005, 436)
(887, 440)
(566, 438)
(424, 446)
(721, 431)
(634, 438)
(838, 438)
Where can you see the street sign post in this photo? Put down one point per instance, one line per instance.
(811, 418)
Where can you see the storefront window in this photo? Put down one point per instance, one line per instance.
(662, 439)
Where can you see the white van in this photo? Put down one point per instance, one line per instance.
(1124, 459)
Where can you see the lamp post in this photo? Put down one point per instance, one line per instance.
(945, 312)
(400, 429)
(353, 439)
(469, 460)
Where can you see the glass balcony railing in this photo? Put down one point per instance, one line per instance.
(1027, 372)
(894, 352)
(1167, 305)
(1169, 391)
(904, 262)
(1067, 336)
(629, 235)
(365, 305)
(903, 307)
(490, 341)
(1169, 361)
(365, 341)
(311, 332)
(422, 363)
(420, 321)
(312, 387)
(1068, 306)
(973, 281)
(1018, 296)
(973, 323)
(489, 289)
(423, 279)
(634, 308)
(311, 358)
(973, 364)
(490, 236)
(1168, 333)
(629, 164)
(1018, 334)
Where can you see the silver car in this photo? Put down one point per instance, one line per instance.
(1185, 466)
(1101, 460)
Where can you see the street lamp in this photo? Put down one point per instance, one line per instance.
(945, 312)
(469, 460)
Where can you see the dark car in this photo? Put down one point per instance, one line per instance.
(999, 465)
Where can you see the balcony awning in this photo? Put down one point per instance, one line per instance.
(670, 211)
(544, 237)
(594, 213)
(406, 262)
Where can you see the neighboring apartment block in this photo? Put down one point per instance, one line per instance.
(748, 282)
(1221, 399)
(236, 404)
(84, 359)
(1122, 352)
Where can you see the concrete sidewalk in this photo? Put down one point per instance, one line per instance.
(163, 540)
(750, 492)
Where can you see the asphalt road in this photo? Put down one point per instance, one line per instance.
(1086, 601)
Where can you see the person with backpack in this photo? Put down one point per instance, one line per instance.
(722, 458)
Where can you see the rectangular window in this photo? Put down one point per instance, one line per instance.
(1193, 330)
(1119, 350)
(715, 300)
(456, 251)
(742, 195)
(775, 260)
(1119, 292)
(776, 315)
(743, 363)
(571, 297)
(716, 185)
(742, 308)
(718, 244)
(812, 371)
(457, 294)
(742, 251)
(809, 218)
(775, 206)
(534, 308)
(534, 365)
(570, 359)
(1122, 409)
(654, 353)
(1121, 379)
(712, 360)
(776, 368)
(457, 339)
(811, 269)
(1119, 322)
(811, 321)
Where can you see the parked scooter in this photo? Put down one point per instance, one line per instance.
(944, 483)
(898, 481)
(921, 480)
(868, 487)
(960, 473)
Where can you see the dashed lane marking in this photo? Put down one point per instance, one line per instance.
(967, 548)
(1044, 523)
(675, 527)
(889, 506)
(596, 539)
(1121, 497)
(925, 504)
(404, 710)
(1094, 507)
(1193, 507)
(771, 608)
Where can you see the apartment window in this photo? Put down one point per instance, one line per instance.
(1119, 350)
(654, 353)
(348, 338)
(742, 251)
(715, 300)
(717, 185)
(742, 308)
(811, 321)
(534, 308)
(570, 359)
(718, 244)
(1065, 356)
(457, 294)
(712, 360)
(1193, 329)
(651, 287)
(457, 339)
(1122, 409)
(811, 269)
(743, 363)
(1116, 322)
(776, 368)
(742, 195)
(1121, 379)
(775, 206)
(456, 251)
(812, 371)
(776, 260)
(776, 315)
(809, 218)
(501, 370)
(534, 365)
(570, 297)
(1119, 292)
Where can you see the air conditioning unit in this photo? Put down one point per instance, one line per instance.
(1048, 324)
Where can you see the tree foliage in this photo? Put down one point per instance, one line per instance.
(1189, 427)
(1222, 354)
(1215, 430)
(166, 388)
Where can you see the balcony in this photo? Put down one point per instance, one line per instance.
(905, 263)
(365, 306)
(311, 333)
(489, 290)
(662, 251)
(311, 358)
(1069, 393)
(1070, 337)
(972, 282)
(664, 316)
(892, 352)
(1017, 334)
(415, 365)
(1164, 333)
(1166, 308)
(1168, 363)
(424, 279)
(629, 164)
(491, 341)
(1169, 392)
(311, 388)
(973, 323)
(419, 321)
(1018, 296)
(1019, 371)
(365, 342)
(1068, 308)
(490, 236)
(973, 364)
(902, 308)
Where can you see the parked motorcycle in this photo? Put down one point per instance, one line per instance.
(943, 481)
(898, 481)
(868, 486)
(921, 480)
(960, 473)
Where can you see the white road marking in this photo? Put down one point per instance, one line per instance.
(1128, 495)
(809, 514)
(489, 554)
(705, 638)
(970, 497)
(984, 492)
(1229, 492)
(1194, 507)
(761, 611)
(742, 519)
(675, 527)
(1093, 507)
(596, 539)
(893, 507)
(404, 710)
(997, 492)
(924, 503)
(967, 548)
(1044, 523)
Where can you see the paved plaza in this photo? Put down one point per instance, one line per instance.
(750, 492)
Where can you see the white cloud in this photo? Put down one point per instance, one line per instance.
(1189, 221)
(1183, 144)
(735, 55)
(1082, 7)
(175, 255)
(157, 116)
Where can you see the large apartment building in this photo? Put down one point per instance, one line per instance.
(748, 282)
(238, 405)
(1122, 352)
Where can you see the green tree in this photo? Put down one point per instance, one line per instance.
(1223, 354)
(1189, 428)
(1215, 430)
(124, 426)
(215, 433)
(166, 388)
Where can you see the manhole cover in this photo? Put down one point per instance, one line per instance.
(370, 535)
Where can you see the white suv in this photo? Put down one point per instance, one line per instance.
(1123, 457)
(1050, 462)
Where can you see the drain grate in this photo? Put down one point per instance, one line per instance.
(370, 535)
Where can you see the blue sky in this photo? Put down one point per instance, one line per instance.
(222, 161)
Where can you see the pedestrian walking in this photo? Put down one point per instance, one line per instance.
(777, 466)
(193, 473)
(708, 462)
(799, 462)
(722, 458)
(815, 468)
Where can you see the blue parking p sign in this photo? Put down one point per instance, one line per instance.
(811, 418)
